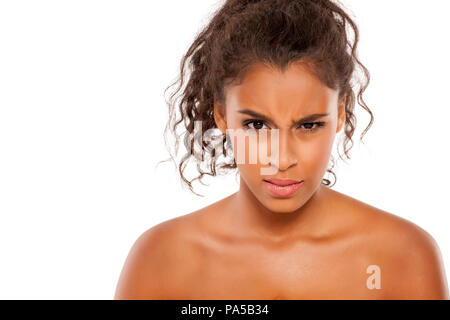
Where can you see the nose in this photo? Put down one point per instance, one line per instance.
(286, 157)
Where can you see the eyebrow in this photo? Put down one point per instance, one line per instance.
(311, 117)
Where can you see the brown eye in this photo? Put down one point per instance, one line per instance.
(313, 126)
(254, 124)
(309, 126)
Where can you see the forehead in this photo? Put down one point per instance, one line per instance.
(295, 90)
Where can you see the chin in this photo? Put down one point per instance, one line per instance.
(282, 205)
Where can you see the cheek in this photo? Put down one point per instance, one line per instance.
(246, 150)
(251, 150)
(316, 153)
(249, 171)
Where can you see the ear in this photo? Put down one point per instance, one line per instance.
(341, 115)
(219, 116)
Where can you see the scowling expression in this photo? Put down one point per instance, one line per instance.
(307, 114)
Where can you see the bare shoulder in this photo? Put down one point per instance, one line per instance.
(408, 257)
(161, 260)
(165, 261)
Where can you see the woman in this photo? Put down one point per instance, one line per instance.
(277, 78)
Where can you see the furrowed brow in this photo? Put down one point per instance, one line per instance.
(309, 118)
(255, 114)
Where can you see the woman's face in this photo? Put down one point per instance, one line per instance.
(268, 100)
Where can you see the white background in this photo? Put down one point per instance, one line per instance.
(82, 114)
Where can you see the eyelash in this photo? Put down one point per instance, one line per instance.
(318, 124)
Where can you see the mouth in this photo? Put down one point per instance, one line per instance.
(282, 182)
(282, 188)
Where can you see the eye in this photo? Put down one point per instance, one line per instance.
(313, 126)
(254, 124)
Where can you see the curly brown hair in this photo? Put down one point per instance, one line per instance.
(274, 32)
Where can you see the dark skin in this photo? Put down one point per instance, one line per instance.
(316, 244)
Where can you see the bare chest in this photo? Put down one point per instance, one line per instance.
(297, 273)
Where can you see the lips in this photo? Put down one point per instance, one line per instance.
(282, 188)
(282, 182)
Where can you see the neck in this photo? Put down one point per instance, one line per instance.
(253, 218)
